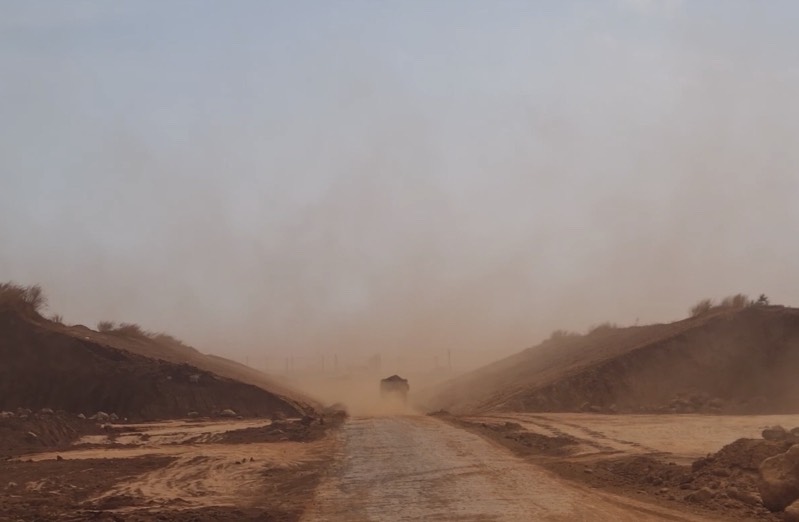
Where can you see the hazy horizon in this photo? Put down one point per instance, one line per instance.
(265, 179)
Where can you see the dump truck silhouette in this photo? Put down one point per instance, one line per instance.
(394, 387)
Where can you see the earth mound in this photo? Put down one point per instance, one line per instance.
(51, 366)
(724, 361)
(27, 432)
(724, 483)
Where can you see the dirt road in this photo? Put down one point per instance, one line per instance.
(419, 468)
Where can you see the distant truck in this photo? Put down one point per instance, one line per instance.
(394, 387)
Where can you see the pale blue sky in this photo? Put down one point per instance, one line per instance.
(274, 177)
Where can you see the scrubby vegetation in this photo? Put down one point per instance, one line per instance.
(29, 300)
(731, 302)
(702, 307)
(602, 328)
(134, 331)
(562, 334)
(736, 301)
(168, 340)
(105, 326)
(131, 330)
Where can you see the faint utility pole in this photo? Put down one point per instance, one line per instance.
(449, 360)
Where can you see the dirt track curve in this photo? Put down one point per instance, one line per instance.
(419, 468)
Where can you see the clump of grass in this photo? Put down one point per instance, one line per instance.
(106, 326)
(134, 331)
(736, 301)
(702, 307)
(731, 302)
(605, 327)
(129, 330)
(29, 300)
(558, 335)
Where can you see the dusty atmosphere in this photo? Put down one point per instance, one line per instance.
(366, 261)
(309, 181)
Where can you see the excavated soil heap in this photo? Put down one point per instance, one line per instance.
(45, 365)
(725, 361)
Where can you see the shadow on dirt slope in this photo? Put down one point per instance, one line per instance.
(726, 361)
(47, 365)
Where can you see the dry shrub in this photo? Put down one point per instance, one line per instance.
(562, 334)
(134, 331)
(106, 326)
(702, 307)
(602, 328)
(168, 340)
(731, 302)
(735, 301)
(57, 318)
(130, 330)
(29, 300)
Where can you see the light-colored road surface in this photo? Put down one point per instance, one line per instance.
(419, 468)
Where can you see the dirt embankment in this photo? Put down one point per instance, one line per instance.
(42, 367)
(722, 483)
(727, 361)
(26, 432)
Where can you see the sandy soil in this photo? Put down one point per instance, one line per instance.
(382, 467)
(652, 458)
(169, 471)
(420, 468)
(682, 438)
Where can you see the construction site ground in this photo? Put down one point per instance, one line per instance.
(380, 467)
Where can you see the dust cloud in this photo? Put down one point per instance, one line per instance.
(411, 193)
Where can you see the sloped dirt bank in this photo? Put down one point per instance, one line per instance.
(45, 367)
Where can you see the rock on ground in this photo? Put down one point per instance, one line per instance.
(792, 513)
(779, 479)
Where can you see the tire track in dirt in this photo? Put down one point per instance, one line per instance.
(203, 470)
(586, 435)
(218, 474)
